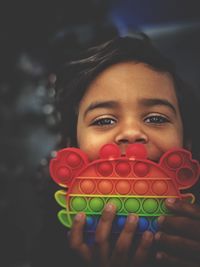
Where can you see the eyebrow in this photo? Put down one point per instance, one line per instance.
(100, 104)
(156, 102)
(148, 102)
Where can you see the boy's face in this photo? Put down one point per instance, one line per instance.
(127, 103)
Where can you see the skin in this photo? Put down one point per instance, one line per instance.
(130, 103)
(128, 111)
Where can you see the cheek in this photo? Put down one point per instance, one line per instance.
(91, 148)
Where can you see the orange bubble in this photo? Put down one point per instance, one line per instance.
(105, 187)
(123, 187)
(159, 187)
(87, 186)
(141, 187)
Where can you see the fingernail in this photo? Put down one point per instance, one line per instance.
(79, 217)
(158, 255)
(109, 207)
(132, 218)
(171, 201)
(157, 236)
(160, 219)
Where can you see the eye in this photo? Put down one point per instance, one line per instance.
(156, 119)
(104, 122)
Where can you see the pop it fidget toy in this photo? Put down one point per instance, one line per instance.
(132, 182)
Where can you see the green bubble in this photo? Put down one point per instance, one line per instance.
(150, 205)
(78, 203)
(117, 202)
(132, 205)
(96, 204)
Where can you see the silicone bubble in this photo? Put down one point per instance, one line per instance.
(132, 182)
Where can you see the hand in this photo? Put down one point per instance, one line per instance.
(101, 254)
(178, 240)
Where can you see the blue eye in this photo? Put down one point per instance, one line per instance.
(104, 122)
(156, 119)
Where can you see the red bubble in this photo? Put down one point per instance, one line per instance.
(63, 173)
(123, 187)
(73, 160)
(105, 187)
(110, 151)
(185, 176)
(105, 168)
(159, 187)
(141, 187)
(174, 161)
(87, 186)
(123, 169)
(136, 151)
(141, 169)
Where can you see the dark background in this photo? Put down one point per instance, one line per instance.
(34, 36)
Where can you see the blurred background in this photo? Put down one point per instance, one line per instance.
(34, 36)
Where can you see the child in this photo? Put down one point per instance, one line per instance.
(124, 91)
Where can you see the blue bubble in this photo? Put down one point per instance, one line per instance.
(154, 225)
(90, 222)
(143, 224)
(121, 221)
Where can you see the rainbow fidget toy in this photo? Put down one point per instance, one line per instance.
(132, 182)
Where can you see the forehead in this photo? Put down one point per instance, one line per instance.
(129, 79)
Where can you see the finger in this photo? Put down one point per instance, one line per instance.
(183, 207)
(183, 226)
(103, 231)
(143, 251)
(105, 224)
(172, 261)
(122, 248)
(178, 246)
(76, 240)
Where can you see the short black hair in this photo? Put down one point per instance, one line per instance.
(74, 77)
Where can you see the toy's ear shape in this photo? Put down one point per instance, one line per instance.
(180, 165)
(136, 151)
(67, 163)
(109, 151)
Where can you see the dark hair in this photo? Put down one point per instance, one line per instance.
(75, 76)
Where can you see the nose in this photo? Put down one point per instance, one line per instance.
(131, 133)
